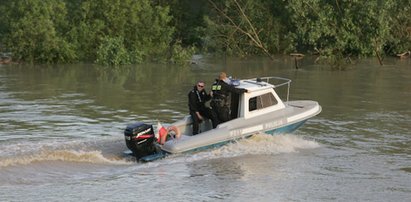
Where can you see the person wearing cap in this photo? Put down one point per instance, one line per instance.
(197, 98)
(221, 97)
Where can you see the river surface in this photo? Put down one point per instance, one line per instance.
(61, 135)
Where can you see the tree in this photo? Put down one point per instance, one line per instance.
(400, 28)
(187, 19)
(144, 28)
(112, 52)
(243, 27)
(30, 30)
(340, 28)
(53, 31)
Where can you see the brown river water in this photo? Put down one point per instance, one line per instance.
(61, 134)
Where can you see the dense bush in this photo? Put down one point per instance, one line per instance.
(30, 30)
(112, 52)
(329, 28)
(54, 31)
(115, 32)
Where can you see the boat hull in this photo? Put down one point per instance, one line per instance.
(283, 121)
(286, 129)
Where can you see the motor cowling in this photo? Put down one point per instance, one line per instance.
(140, 139)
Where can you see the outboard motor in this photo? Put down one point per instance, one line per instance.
(140, 139)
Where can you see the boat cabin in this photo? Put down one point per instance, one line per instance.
(260, 99)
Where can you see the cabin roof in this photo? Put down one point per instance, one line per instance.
(257, 84)
(253, 85)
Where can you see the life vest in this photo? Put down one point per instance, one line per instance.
(220, 97)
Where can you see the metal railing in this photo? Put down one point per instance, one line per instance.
(271, 80)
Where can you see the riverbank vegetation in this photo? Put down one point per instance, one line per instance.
(116, 32)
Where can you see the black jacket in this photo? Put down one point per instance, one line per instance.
(221, 90)
(197, 99)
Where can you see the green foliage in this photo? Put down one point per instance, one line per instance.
(33, 30)
(337, 29)
(115, 32)
(181, 55)
(226, 27)
(144, 28)
(112, 52)
(352, 28)
(400, 31)
(188, 20)
(29, 29)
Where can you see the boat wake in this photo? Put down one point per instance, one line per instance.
(260, 144)
(95, 157)
(268, 144)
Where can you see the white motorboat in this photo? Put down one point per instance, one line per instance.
(259, 110)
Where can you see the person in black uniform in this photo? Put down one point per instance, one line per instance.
(221, 97)
(196, 103)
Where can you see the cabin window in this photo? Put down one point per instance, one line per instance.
(261, 101)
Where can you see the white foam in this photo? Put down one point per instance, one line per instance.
(260, 144)
(267, 144)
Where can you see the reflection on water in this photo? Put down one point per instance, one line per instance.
(61, 134)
